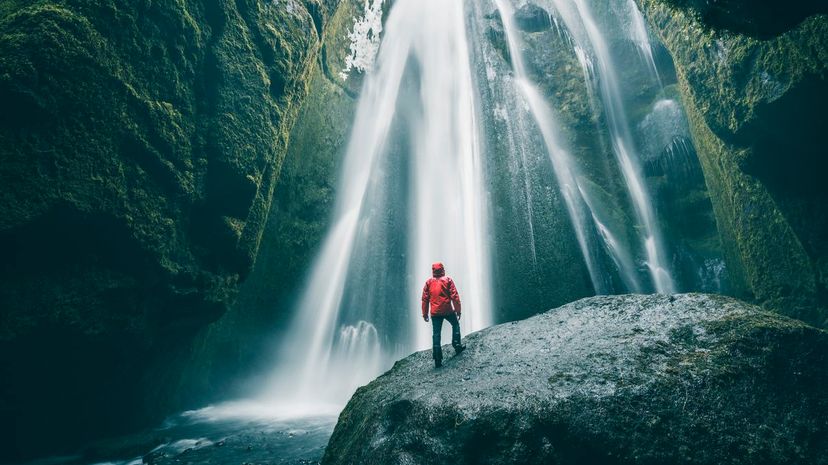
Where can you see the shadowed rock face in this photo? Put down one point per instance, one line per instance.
(140, 143)
(754, 108)
(611, 380)
(233, 347)
(759, 18)
(532, 18)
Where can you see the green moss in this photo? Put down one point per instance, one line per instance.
(140, 144)
(739, 93)
(164, 118)
(230, 349)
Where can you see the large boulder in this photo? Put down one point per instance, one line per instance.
(614, 380)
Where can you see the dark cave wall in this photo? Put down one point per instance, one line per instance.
(140, 145)
(757, 18)
(227, 356)
(756, 107)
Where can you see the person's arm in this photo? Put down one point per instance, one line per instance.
(425, 300)
(455, 297)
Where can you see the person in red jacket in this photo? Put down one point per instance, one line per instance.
(440, 294)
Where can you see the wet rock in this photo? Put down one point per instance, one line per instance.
(749, 101)
(532, 18)
(623, 379)
(759, 18)
(140, 145)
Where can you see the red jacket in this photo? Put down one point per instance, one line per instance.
(440, 292)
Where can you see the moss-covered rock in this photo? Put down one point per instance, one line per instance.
(690, 378)
(759, 18)
(140, 145)
(755, 109)
(227, 353)
(563, 66)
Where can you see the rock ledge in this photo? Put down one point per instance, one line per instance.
(621, 379)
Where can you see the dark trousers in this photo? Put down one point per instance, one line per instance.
(437, 327)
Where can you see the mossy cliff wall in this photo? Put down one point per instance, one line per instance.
(756, 106)
(244, 341)
(553, 270)
(140, 144)
(757, 18)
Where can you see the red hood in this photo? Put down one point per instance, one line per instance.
(437, 270)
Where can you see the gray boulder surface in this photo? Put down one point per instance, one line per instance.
(631, 379)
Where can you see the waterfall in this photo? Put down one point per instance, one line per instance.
(566, 171)
(642, 38)
(420, 85)
(577, 17)
(450, 223)
(413, 190)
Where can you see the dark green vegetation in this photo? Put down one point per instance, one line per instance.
(233, 347)
(689, 378)
(756, 110)
(759, 18)
(140, 144)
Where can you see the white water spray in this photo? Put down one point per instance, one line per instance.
(324, 358)
(449, 214)
(566, 170)
(578, 19)
(641, 37)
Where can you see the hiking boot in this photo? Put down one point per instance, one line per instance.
(437, 353)
(459, 349)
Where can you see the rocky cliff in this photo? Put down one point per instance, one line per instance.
(761, 19)
(756, 108)
(140, 145)
(227, 353)
(614, 380)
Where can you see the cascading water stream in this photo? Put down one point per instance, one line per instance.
(424, 44)
(641, 38)
(307, 353)
(450, 220)
(578, 17)
(566, 171)
(620, 255)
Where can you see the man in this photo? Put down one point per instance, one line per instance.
(440, 293)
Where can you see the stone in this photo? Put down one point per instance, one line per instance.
(754, 108)
(532, 18)
(630, 379)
